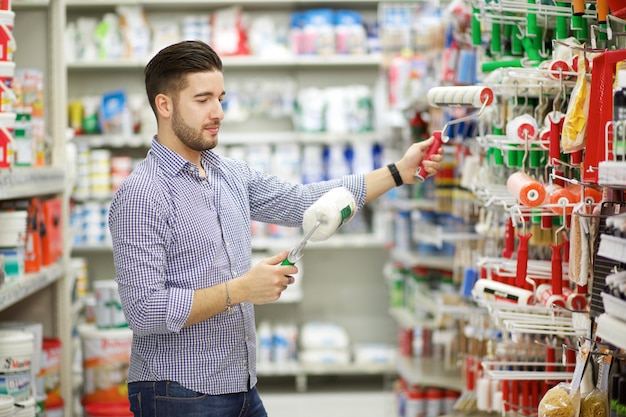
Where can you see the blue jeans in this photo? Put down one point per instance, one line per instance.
(168, 398)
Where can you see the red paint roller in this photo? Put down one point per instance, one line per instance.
(468, 96)
(561, 199)
(528, 191)
(589, 195)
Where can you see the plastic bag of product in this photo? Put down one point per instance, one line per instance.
(595, 404)
(560, 401)
(575, 124)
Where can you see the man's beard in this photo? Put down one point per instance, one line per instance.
(188, 136)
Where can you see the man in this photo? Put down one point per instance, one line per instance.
(180, 225)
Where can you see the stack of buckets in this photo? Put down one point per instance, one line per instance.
(22, 130)
(7, 96)
(106, 355)
(17, 354)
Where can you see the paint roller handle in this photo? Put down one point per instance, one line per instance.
(522, 260)
(421, 173)
(557, 268)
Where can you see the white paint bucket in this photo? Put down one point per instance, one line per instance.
(6, 405)
(26, 408)
(106, 356)
(13, 230)
(109, 312)
(16, 355)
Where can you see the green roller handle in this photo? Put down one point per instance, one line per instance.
(531, 27)
(498, 158)
(531, 50)
(507, 63)
(516, 42)
(511, 158)
(476, 30)
(534, 157)
(562, 30)
(602, 35)
(580, 28)
(496, 38)
(287, 262)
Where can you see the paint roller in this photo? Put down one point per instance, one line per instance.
(322, 219)
(528, 191)
(453, 96)
(487, 289)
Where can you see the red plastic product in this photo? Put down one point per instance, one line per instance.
(522, 261)
(618, 8)
(601, 94)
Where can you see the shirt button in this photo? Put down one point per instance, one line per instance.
(234, 274)
(247, 338)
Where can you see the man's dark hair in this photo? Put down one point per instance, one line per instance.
(166, 72)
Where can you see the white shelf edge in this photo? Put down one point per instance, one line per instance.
(407, 320)
(22, 182)
(351, 241)
(246, 62)
(612, 247)
(411, 204)
(429, 371)
(14, 291)
(410, 259)
(29, 4)
(212, 4)
(303, 368)
(611, 330)
(226, 138)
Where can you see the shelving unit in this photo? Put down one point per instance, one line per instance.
(44, 296)
(410, 258)
(301, 371)
(419, 371)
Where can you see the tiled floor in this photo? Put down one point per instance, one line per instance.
(331, 404)
(329, 398)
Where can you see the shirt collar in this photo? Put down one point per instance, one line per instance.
(174, 163)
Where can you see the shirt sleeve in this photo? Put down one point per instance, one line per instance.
(273, 200)
(138, 223)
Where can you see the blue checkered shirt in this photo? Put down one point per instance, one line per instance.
(174, 232)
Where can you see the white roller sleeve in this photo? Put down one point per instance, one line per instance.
(332, 210)
(474, 96)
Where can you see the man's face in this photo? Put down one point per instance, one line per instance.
(198, 112)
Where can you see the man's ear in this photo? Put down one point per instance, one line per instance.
(164, 105)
